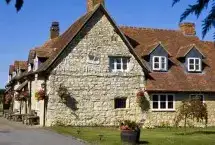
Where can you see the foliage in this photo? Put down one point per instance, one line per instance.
(192, 109)
(197, 9)
(40, 95)
(18, 4)
(142, 101)
(8, 97)
(128, 125)
(63, 93)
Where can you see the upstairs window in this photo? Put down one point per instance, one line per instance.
(119, 64)
(159, 63)
(194, 64)
(92, 59)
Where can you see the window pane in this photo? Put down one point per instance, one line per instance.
(156, 59)
(163, 105)
(170, 97)
(191, 67)
(156, 65)
(170, 105)
(111, 64)
(155, 98)
(197, 67)
(120, 103)
(163, 66)
(200, 97)
(118, 60)
(191, 61)
(163, 59)
(125, 66)
(197, 61)
(155, 105)
(118, 66)
(162, 97)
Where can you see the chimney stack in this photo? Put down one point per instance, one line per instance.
(188, 29)
(92, 3)
(54, 30)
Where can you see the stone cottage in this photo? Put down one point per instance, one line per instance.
(103, 66)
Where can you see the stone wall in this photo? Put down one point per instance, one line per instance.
(93, 86)
(160, 118)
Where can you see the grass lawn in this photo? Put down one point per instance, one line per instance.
(159, 136)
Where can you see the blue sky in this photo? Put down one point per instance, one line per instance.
(30, 27)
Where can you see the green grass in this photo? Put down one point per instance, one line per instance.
(159, 136)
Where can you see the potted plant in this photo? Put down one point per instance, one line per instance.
(24, 95)
(40, 95)
(17, 97)
(142, 101)
(130, 132)
(8, 98)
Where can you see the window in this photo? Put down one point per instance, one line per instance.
(197, 96)
(120, 103)
(194, 64)
(159, 63)
(119, 64)
(93, 59)
(163, 102)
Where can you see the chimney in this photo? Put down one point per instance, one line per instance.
(92, 3)
(188, 29)
(54, 30)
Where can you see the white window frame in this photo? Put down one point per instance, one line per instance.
(159, 101)
(194, 64)
(159, 63)
(114, 59)
(197, 95)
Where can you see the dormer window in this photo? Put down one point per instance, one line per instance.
(159, 63)
(194, 64)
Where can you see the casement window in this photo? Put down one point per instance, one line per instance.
(194, 64)
(119, 64)
(93, 59)
(163, 102)
(120, 103)
(197, 96)
(159, 63)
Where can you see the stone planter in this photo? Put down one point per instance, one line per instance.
(130, 136)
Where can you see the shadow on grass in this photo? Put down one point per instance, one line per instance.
(143, 142)
(196, 132)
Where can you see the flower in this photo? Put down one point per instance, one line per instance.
(128, 125)
(40, 95)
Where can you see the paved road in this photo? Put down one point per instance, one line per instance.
(18, 134)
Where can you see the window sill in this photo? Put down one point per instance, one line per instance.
(163, 110)
(121, 109)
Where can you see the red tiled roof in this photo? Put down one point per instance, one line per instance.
(176, 79)
(21, 65)
(11, 69)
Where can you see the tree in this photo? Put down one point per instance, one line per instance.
(193, 109)
(197, 9)
(18, 4)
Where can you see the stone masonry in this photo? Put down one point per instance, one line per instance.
(93, 86)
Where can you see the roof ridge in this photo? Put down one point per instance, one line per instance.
(147, 28)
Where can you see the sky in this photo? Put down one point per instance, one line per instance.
(29, 28)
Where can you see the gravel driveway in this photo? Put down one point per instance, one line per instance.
(12, 133)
